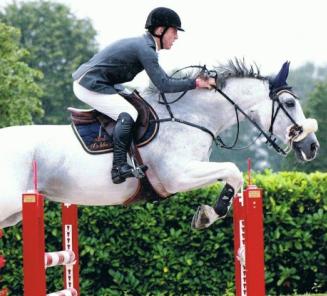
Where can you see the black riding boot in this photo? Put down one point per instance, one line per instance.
(122, 139)
(224, 201)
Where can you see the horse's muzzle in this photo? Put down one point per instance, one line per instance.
(297, 133)
(306, 149)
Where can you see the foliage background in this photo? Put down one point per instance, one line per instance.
(150, 249)
(57, 42)
(19, 91)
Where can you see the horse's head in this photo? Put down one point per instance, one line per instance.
(286, 120)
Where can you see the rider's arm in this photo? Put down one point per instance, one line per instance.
(158, 76)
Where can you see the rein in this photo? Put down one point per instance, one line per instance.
(171, 115)
(270, 138)
(174, 119)
(203, 71)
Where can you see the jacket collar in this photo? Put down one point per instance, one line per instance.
(150, 41)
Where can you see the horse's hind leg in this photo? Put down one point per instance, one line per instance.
(13, 184)
(11, 190)
(10, 207)
(11, 220)
(15, 174)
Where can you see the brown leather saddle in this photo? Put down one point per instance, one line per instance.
(94, 129)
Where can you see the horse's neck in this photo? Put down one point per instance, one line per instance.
(210, 109)
(247, 93)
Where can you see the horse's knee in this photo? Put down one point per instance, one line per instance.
(175, 185)
(178, 182)
(235, 177)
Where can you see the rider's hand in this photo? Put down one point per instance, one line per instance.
(205, 82)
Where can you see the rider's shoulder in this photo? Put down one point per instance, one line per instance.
(144, 42)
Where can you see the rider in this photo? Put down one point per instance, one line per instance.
(98, 81)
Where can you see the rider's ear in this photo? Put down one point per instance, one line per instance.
(159, 30)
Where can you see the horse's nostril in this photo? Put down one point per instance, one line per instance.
(314, 147)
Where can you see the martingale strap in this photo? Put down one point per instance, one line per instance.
(174, 119)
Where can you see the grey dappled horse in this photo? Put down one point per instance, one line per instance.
(178, 157)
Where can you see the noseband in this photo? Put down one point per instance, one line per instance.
(296, 129)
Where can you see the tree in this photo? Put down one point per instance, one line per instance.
(19, 93)
(317, 109)
(58, 43)
(303, 79)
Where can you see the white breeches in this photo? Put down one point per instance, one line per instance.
(109, 104)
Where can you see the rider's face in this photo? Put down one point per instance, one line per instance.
(170, 36)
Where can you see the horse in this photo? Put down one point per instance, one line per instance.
(177, 158)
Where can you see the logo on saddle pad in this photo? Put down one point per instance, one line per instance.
(94, 129)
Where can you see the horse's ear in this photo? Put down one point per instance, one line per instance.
(280, 79)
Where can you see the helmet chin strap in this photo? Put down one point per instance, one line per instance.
(160, 36)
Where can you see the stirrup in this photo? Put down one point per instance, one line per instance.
(119, 177)
(138, 170)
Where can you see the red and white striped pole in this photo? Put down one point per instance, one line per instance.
(69, 218)
(249, 241)
(35, 260)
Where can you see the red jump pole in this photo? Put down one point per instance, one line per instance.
(33, 241)
(33, 244)
(4, 291)
(249, 242)
(2, 258)
(2, 261)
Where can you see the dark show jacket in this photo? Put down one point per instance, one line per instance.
(121, 61)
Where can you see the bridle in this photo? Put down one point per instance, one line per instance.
(271, 140)
(295, 129)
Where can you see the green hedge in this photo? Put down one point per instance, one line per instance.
(150, 249)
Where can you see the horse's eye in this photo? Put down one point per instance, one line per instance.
(290, 103)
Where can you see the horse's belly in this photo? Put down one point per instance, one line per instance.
(100, 191)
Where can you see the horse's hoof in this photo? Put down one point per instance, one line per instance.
(204, 217)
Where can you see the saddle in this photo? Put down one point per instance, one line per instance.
(94, 129)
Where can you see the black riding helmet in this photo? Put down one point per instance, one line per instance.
(162, 17)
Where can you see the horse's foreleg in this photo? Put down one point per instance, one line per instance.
(206, 215)
(198, 174)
